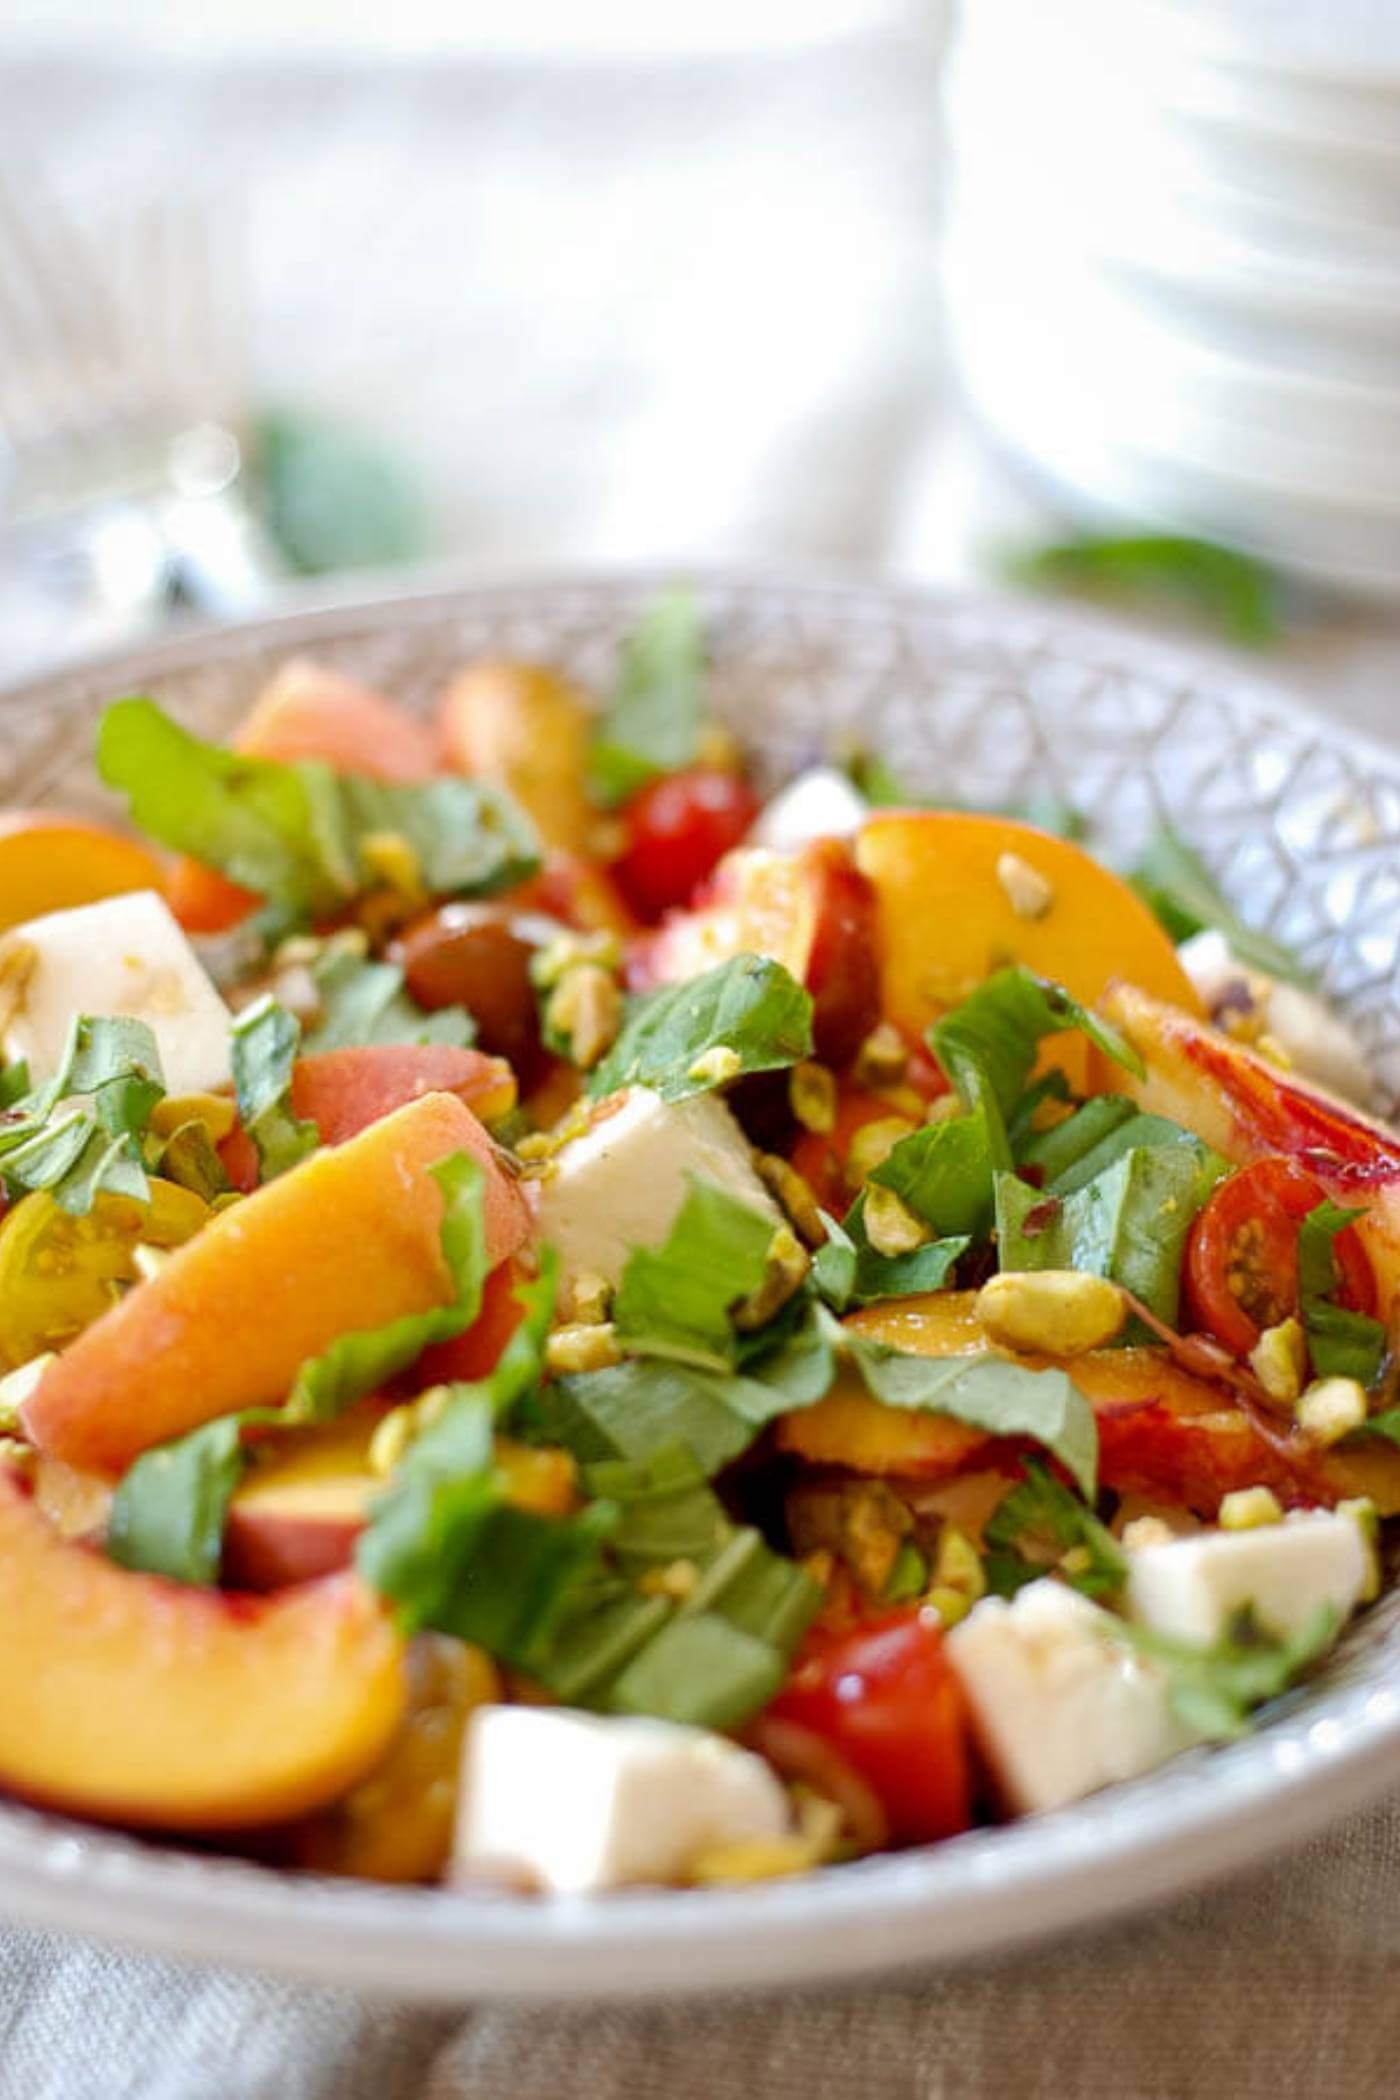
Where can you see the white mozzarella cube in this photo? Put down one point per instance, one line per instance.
(1318, 1043)
(123, 957)
(819, 804)
(620, 1184)
(578, 1802)
(1060, 1703)
(1190, 1589)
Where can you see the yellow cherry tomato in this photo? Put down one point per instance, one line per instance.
(59, 1273)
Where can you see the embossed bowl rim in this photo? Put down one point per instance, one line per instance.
(1320, 1753)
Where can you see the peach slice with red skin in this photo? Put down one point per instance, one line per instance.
(527, 729)
(134, 1700)
(1162, 1432)
(812, 911)
(349, 1240)
(1247, 1108)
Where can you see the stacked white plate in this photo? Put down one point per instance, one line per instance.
(1173, 264)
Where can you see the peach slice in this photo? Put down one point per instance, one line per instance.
(50, 862)
(1246, 1107)
(812, 911)
(348, 1241)
(298, 1514)
(1161, 1431)
(135, 1700)
(525, 728)
(953, 905)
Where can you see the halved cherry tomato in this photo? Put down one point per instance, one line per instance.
(678, 829)
(471, 955)
(886, 1699)
(59, 1273)
(1242, 1254)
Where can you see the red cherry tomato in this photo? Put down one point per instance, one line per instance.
(678, 829)
(1242, 1254)
(886, 1699)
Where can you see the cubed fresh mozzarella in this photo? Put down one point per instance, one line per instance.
(124, 956)
(620, 1184)
(1190, 1589)
(1060, 1703)
(819, 804)
(1318, 1043)
(576, 1802)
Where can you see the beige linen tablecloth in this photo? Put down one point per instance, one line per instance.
(1283, 1985)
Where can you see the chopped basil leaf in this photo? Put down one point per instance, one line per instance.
(168, 1513)
(1041, 1526)
(635, 1408)
(943, 1173)
(675, 1300)
(293, 833)
(991, 1393)
(265, 1039)
(1214, 1690)
(704, 1671)
(1341, 1343)
(848, 1271)
(1097, 1135)
(189, 1158)
(1021, 1123)
(14, 1085)
(364, 1003)
(989, 1043)
(658, 709)
(909, 1577)
(1175, 883)
(1129, 1224)
(750, 1005)
(79, 1135)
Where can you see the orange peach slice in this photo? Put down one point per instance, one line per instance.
(524, 727)
(135, 1700)
(50, 862)
(959, 896)
(348, 1241)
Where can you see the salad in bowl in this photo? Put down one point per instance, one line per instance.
(563, 1326)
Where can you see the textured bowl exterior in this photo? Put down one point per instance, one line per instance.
(969, 698)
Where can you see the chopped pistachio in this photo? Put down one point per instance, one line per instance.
(890, 1226)
(586, 1299)
(945, 1108)
(1249, 1509)
(584, 1012)
(583, 1347)
(1058, 1311)
(1024, 887)
(788, 1263)
(1331, 1408)
(882, 1059)
(957, 1565)
(872, 1145)
(550, 963)
(812, 1095)
(675, 1580)
(19, 1385)
(754, 1859)
(783, 1181)
(718, 1065)
(391, 1441)
(1269, 1047)
(1146, 1531)
(1364, 1514)
(1279, 1360)
(950, 1604)
(392, 859)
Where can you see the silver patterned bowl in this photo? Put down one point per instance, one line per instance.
(974, 699)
